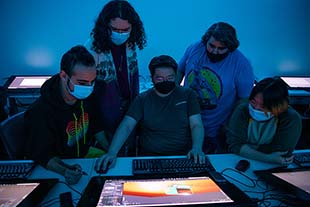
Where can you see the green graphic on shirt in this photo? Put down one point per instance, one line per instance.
(208, 86)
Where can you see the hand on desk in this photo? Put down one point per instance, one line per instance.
(72, 173)
(104, 163)
(282, 158)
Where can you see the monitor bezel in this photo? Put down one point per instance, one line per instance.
(292, 87)
(93, 190)
(38, 194)
(269, 177)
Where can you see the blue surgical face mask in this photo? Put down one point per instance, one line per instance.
(259, 115)
(79, 91)
(119, 38)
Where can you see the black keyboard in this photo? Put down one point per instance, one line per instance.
(302, 159)
(169, 166)
(15, 169)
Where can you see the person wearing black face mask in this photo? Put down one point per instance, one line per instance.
(221, 75)
(168, 116)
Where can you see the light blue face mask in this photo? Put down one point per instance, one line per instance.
(259, 115)
(119, 38)
(79, 91)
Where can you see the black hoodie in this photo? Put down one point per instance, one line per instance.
(54, 127)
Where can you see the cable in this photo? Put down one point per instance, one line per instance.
(240, 173)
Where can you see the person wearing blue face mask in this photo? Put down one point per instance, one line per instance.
(221, 75)
(60, 122)
(117, 33)
(265, 128)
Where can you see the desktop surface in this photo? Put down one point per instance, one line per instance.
(247, 182)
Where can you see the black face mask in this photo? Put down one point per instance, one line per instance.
(165, 87)
(216, 57)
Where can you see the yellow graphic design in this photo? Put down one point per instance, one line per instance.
(208, 86)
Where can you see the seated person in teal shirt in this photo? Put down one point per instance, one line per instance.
(266, 127)
(168, 116)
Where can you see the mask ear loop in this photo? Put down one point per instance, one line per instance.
(68, 86)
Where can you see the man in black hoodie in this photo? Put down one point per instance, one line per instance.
(60, 123)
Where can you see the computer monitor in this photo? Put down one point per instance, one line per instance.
(169, 191)
(24, 193)
(293, 82)
(26, 82)
(291, 180)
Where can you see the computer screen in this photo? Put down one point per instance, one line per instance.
(133, 191)
(14, 194)
(298, 179)
(24, 193)
(297, 82)
(26, 82)
(294, 180)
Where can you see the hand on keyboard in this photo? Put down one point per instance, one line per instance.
(197, 155)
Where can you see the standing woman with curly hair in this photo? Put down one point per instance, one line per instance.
(117, 33)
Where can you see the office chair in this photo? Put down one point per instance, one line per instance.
(13, 136)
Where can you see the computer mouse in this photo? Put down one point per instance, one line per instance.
(104, 171)
(242, 165)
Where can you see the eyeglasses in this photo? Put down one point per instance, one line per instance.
(167, 78)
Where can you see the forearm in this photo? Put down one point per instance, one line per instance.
(56, 165)
(121, 135)
(251, 153)
(197, 137)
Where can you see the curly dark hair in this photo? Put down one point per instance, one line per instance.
(76, 55)
(101, 32)
(224, 33)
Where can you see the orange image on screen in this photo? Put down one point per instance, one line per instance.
(166, 188)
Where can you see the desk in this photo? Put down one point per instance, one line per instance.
(123, 167)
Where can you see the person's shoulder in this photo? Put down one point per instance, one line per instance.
(242, 105)
(145, 94)
(182, 89)
(196, 46)
(239, 55)
(185, 91)
(39, 108)
(292, 113)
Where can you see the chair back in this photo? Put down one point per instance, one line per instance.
(13, 135)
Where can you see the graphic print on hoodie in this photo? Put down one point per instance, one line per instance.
(77, 130)
(56, 128)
